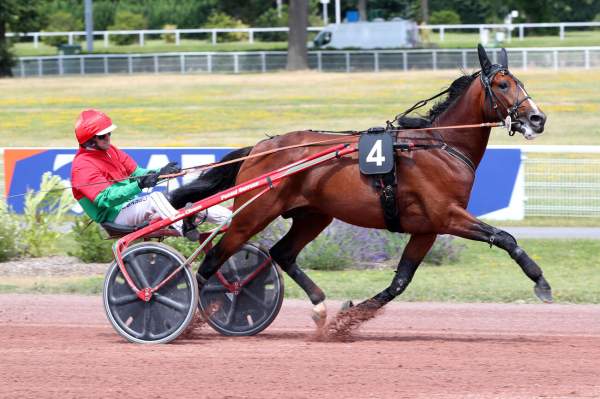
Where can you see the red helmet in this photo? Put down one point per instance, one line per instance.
(92, 123)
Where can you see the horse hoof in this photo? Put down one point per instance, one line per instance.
(319, 314)
(544, 294)
(347, 305)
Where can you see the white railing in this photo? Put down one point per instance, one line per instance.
(72, 36)
(334, 61)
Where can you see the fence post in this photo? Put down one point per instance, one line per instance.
(105, 39)
(521, 32)
(209, 66)
(319, 62)
(81, 65)
(405, 60)
(347, 61)
(236, 63)
(155, 59)
(250, 36)
(60, 66)
(464, 59)
(434, 60)
(21, 68)
(182, 63)
(263, 62)
(214, 37)
(555, 59)
(142, 38)
(130, 64)
(562, 32)
(441, 34)
(587, 59)
(70, 37)
(376, 61)
(105, 65)
(524, 59)
(40, 72)
(177, 38)
(36, 40)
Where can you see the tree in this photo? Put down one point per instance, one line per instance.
(15, 16)
(362, 9)
(424, 11)
(297, 57)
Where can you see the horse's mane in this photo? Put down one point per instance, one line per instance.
(457, 88)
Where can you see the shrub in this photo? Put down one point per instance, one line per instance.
(61, 21)
(444, 17)
(9, 246)
(342, 245)
(126, 20)
(169, 37)
(270, 19)
(91, 246)
(222, 20)
(44, 214)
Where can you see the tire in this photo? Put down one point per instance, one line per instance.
(256, 304)
(171, 308)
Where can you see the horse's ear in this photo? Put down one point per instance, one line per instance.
(503, 58)
(484, 61)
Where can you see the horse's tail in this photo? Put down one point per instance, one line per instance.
(211, 182)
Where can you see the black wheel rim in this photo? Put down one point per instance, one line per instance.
(169, 306)
(256, 304)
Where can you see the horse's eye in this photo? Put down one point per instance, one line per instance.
(503, 85)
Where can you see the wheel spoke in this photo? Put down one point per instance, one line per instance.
(124, 300)
(170, 303)
(233, 267)
(166, 270)
(216, 288)
(257, 300)
(231, 310)
(147, 315)
(135, 266)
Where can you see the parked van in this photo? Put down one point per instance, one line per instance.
(369, 35)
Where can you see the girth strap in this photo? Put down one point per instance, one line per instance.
(387, 185)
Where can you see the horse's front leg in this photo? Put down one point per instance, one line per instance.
(414, 252)
(463, 224)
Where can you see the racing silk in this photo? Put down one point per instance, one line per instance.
(92, 175)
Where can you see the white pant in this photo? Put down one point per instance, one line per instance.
(144, 208)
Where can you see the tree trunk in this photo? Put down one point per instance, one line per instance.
(362, 9)
(6, 60)
(297, 57)
(424, 11)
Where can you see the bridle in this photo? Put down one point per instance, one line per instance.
(512, 114)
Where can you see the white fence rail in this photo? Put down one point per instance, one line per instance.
(334, 61)
(141, 35)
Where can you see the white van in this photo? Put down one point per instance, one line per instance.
(369, 35)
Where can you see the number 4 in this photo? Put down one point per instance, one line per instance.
(376, 154)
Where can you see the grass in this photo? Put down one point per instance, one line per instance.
(451, 40)
(226, 110)
(482, 275)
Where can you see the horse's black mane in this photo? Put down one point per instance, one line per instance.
(456, 89)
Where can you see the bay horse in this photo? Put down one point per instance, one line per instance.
(433, 186)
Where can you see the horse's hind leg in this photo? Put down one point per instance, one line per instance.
(306, 226)
(463, 224)
(413, 255)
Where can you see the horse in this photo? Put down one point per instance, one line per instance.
(432, 191)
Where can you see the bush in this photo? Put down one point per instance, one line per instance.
(126, 20)
(169, 37)
(222, 20)
(91, 247)
(9, 246)
(61, 21)
(444, 17)
(44, 214)
(270, 19)
(342, 245)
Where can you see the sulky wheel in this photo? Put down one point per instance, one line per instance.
(251, 308)
(169, 310)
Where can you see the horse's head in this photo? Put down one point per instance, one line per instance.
(506, 98)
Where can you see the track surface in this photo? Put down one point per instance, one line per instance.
(62, 346)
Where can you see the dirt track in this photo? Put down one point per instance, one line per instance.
(62, 346)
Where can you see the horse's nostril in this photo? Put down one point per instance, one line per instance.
(536, 119)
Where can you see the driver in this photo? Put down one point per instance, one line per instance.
(107, 182)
